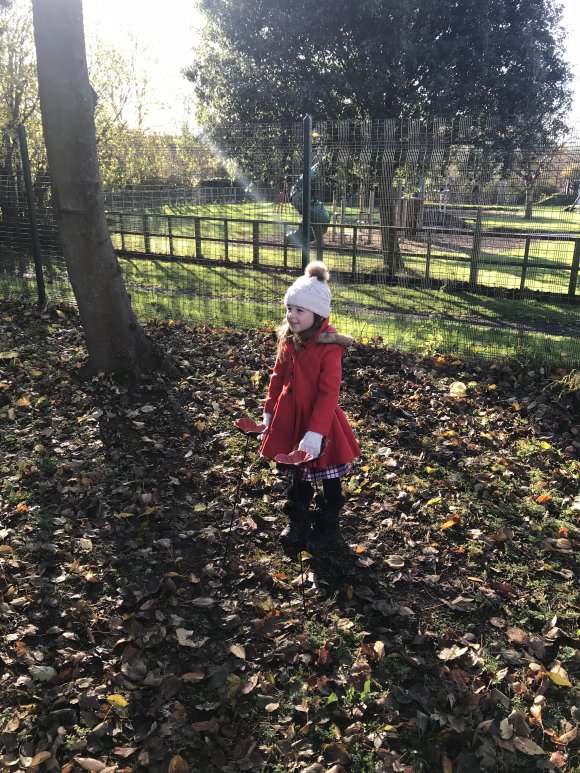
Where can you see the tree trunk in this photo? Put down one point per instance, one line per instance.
(528, 212)
(115, 341)
(388, 208)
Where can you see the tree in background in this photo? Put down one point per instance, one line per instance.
(18, 104)
(115, 341)
(274, 60)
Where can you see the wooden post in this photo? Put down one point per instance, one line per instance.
(354, 235)
(475, 252)
(122, 225)
(342, 219)
(285, 243)
(170, 233)
(256, 242)
(428, 257)
(371, 215)
(146, 235)
(226, 241)
(525, 264)
(575, 268)
(197, 228)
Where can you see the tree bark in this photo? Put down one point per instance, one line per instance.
(529, 204)
(391, 250)
(115, 341)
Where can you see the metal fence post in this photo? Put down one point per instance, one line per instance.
(306, 191)
(36, 253)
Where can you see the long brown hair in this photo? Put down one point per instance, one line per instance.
(285, 335)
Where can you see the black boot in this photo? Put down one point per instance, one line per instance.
(326, 526)
(293, 538)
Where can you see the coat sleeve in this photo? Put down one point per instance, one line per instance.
(326, 401)
(276, 383)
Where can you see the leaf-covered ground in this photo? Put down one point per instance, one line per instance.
(445, 640)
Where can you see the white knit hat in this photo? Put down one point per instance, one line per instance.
(311, 291)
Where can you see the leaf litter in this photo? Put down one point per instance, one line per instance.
(445, 638)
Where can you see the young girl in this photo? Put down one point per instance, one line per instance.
(302, 412)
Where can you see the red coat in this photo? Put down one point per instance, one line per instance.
(303, 396)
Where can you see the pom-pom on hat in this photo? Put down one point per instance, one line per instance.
(311, 290)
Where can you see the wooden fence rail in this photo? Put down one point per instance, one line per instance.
(201, 231)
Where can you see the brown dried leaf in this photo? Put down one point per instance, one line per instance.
(39, 758)
(518, 636)
(177, 765)
(527, 746)
(88, 763)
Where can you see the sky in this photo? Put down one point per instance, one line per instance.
(167, 31)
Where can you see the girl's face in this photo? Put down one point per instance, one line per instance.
(299, 319)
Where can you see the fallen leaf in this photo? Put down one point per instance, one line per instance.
(566, 738)
(458, 389)
(193, 677)
(88, 763)
(177, 765)
(527, 746)
(238, 651)
(117, 700)
(124, 751)
(42, 673)
(203, 602)
(559, 759)
(452, 653)
(559, 679)
(517, 636)
(39, 758)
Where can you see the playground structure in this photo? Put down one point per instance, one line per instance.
(319, 215)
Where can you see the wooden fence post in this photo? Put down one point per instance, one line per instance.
(226, 241)
(354, 235)
(256, 242)
(525, 264)
(575, 268)
(146, 234)
(170, 234)
(122, 225)
(197, 229)
(285, 243)
(475, 252)
(427, 278)
(342, 219)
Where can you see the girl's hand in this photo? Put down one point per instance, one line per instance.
(311, 443)
(266, 419)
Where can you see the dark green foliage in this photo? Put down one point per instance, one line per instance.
(274, 60)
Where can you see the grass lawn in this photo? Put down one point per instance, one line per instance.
(447, 320)
(501, 260)
(422, 320)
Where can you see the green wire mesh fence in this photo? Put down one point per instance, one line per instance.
(441, 236)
